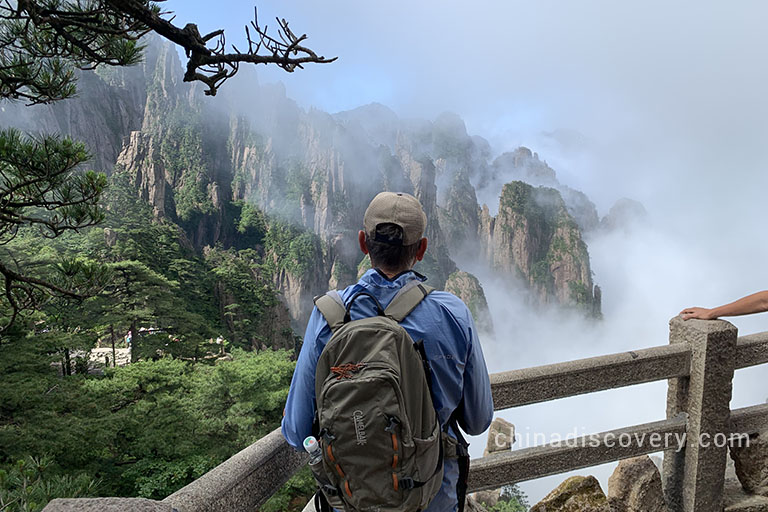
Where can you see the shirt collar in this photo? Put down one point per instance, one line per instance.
(375, 278)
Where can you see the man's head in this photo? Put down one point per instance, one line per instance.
(394, 225)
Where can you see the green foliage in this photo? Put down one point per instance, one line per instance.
(294, 495)
(251, 219)
(28, 484)
(145, 429)
(247, 296)
(181, 151)
(40, 184)
(542, 275)
(292, 248)
(158, 479)
(42, 190)
(151, 280)
(43, 43)
(580, 293)
(512, 499)
(243, 399)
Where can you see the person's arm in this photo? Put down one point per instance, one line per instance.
(300, 406)
(755, 303)
(477, 401)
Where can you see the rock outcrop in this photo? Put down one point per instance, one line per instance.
(466, 287)
(501, 437)
(624, 214)
(460, 217)
(735, 498)
(751, 463)
(635, 486)
(140, 157)
(577, 494)
(111, 103)
(535, 239)
(524, 165)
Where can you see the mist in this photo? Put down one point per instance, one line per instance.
(662, 103)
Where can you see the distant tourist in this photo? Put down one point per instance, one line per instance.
(388, 436)
(755, 303)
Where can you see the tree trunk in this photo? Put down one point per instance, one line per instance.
(67, 363)
(114, 352)
(134, 342)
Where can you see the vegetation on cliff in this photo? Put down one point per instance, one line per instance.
(534, 234)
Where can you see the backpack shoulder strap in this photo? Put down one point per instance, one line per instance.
(407, 299)
(332, 308)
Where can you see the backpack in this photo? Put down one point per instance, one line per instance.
(376, 424)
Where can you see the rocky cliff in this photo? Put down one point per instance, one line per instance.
(466, 287)
(535, 239)
(202, 162)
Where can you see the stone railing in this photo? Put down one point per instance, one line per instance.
(699, 363)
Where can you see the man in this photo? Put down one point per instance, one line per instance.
(755, 303)
(394, 224)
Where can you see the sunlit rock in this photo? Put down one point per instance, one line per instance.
(635, 486)
(577, 494)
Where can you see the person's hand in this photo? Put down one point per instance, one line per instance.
(701, 313)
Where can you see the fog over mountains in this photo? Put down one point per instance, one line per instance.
(507, 232)
(192, 157)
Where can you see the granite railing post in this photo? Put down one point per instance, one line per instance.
(694, 476)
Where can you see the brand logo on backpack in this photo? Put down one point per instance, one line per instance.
(345, 371)
(357, 417)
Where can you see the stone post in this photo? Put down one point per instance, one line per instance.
(693, 478)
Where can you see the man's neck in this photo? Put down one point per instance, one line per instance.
(391, 275)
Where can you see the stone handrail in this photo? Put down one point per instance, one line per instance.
(561, 380)
(499, 469)
(244, 481)
(699, 363)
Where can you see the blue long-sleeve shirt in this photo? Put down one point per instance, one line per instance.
(459, 374)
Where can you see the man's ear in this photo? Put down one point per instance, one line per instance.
(422, 249)
(361, 241)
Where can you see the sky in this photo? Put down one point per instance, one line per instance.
(662, 102)
(591, 84)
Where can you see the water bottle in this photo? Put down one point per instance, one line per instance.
(313, 449)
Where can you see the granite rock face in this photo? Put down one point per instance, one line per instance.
(751, 463)
(196, 160)
(635, 486)
(534, 238)
(525, 165)
(577, 494)
(501, 437)
(466, 287)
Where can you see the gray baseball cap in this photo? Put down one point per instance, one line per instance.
(397, 208)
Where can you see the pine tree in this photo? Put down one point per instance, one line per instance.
(42, 184)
